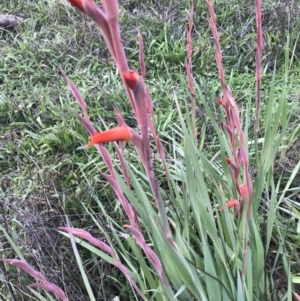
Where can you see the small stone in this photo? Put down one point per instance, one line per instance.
(9, 21)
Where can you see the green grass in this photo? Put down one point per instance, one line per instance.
(45, 171)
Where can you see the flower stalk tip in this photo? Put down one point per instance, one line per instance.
(120, 133)
(50, 287)
(23, 265)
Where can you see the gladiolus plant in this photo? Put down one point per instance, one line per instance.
(217, 268)
(200, 236)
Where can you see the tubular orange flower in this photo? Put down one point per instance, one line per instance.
(230, 204)
(120, 133)
(131, 78)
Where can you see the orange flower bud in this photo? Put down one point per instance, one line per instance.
(230, 204)
(243, 190)
(229, 162)
(220, 101)
(131, 78)
(120, 133)
(78, 4)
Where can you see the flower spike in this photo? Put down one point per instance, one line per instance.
(120, 133)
